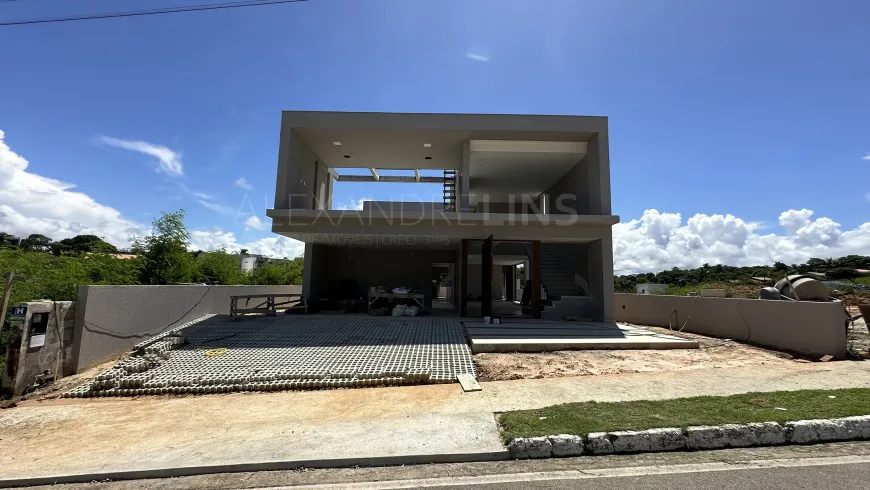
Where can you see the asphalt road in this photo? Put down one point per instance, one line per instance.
(832, 477)
(819, 467)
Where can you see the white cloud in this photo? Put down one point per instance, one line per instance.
(352, 204)
(793, 220)
(217, 207)
(659, 241)
(472, 55)
(201, 195)
(275, 246)
(866, 157)
(168, 161)
(255, 223)
(31, 203)
(243, 183)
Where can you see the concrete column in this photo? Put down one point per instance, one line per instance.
(308, 269)
(601, 278)
(598, 168)
(283, 182)
(465, 178)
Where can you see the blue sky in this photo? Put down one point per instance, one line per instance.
(747, 108)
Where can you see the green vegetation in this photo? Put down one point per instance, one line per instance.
(55, 269)
(582, 418)
(730, 278)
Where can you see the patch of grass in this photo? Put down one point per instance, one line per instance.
(582, 418)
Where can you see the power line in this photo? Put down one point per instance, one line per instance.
(139, 13)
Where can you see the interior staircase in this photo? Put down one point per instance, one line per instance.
(564, 297)
(449, 192)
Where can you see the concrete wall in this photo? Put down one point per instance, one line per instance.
(297, 173)
(574, 187)
(112, 319)
(805, 327)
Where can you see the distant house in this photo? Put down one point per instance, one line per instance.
(252, 261)
(651, 288)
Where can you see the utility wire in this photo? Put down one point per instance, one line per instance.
(138, 13)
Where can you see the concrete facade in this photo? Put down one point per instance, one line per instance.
(797, 326)
(518, 178)
(109, 320)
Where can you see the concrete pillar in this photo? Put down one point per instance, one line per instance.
(601, 278)
(465, 178)
(308, 269)
(283, 181)
(598, 169)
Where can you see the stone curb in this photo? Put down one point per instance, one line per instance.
(692, 438)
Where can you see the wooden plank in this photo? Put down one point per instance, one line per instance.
(468, 382)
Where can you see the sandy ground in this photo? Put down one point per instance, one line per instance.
(713, 353)
(65, 384)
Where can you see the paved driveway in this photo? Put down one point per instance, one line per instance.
(267, 353)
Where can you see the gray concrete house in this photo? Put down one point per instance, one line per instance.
(518, 191)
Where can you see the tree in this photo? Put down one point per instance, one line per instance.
(243, 251)
(220, 267)
(36, 243)
(276, 273)
(165, 259)
(7, 240)
(842, 273)
(80, 244)
(780, 266)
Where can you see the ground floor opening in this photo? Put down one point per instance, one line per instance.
(469, 278)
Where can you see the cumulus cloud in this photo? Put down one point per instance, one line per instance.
(243, 183)
(168, 161)
(255, 223)
(659, 241)
(866, 157)
(352, 204)
(31, 203)
(276, 246)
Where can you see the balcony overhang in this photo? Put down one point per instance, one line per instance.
(317, 226)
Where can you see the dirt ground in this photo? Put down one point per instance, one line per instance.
(713, 353)
(54, 390)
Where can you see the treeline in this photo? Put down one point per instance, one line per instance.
(55, 269)
(835, 269)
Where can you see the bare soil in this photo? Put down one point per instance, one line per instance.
(63, 385)
(713, 353)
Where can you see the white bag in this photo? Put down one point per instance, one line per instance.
(399, 310)
(412, 310)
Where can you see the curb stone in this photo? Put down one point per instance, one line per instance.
(598, 443)
(566, 445)
(530, 448)
(693, 438)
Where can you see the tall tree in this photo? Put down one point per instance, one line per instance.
(36, 243)
(80, 244)
(165, 259)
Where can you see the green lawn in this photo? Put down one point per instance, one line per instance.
(582, 418)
